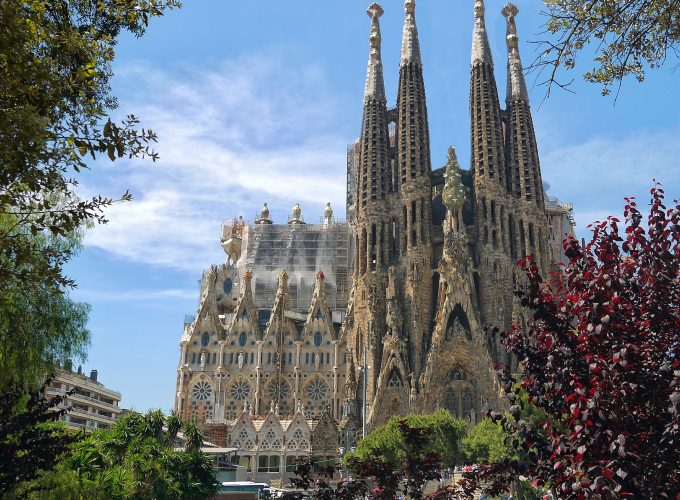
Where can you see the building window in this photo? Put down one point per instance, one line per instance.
(201, 391)
(269, 358)
(318, 338)
(193, 358)
(205, 340)
(228, 285)
(242, 339)
(240, 390)
(214, 358)
(268, 463)
(306, 358)
(317, 390)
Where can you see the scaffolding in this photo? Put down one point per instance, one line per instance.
(302, 250)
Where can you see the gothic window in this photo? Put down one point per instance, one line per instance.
(202, 391)
(205, 340)
(395, 379)
(319, 314)
(240, 390)
(193, 358)
(228, 285)
(242, 339)
(317, 390)
(467, 401)
(457, 374)
(318, 338)
(451, 402)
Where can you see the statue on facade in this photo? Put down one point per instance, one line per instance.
(239, 360)
(202, 360)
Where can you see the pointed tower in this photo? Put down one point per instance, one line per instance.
(522, 154)
(414, 170)
(493, 206)
(488, 162)
(367, 327)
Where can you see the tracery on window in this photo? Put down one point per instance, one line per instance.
(240, 390)
(202, 391)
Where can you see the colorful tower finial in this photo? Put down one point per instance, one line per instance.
(481, 52)
(410, 46)
(375, 84)
(517, 88)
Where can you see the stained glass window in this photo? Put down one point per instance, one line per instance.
(202, 391)
(240, 390)
(317, 390)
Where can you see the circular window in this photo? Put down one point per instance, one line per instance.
(201, 391)
(283, 390)
(317, 338)
(317, 390)
(228, 285)
(205, 340)
(242, 339)
(240, 390)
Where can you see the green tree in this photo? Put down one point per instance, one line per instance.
(444, 438)
(138, 458)
(38, 325)
(486, 443)
(55, 100)
(626, 37)
(30, 439)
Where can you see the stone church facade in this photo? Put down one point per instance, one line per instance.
(403, 294)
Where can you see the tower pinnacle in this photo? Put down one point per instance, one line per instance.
(481, 52)
(517, 88)
(410, 46)
(375, 84)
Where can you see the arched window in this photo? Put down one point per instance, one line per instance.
(467, 401)
(451, 402)
(317, 338)
(242, 339)
(395, 379)
(228, 285)
(205, 340)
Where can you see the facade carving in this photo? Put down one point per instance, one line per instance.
(409, 287)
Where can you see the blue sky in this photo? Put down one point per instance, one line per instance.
(256, 101)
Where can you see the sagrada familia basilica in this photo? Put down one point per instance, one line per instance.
(343, 323)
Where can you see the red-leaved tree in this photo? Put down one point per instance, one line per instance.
(601, 358)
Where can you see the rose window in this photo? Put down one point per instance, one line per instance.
(317, 390)
(240, 390)
(202, 391)
(282, 390)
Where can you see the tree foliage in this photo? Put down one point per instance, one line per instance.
(444, 435)
(486, 442)
(628, 36)
(38, 325)
(602, 360)
(380, 478)
(30, 441)
(55, 69)
(135, 459)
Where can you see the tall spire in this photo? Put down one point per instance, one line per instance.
(375, 83)
(517, 88)
(488, 157)
(410, 46)
(481, 52)
(522, 152)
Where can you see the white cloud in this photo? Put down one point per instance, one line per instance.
(597, 174)
(250, 131)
